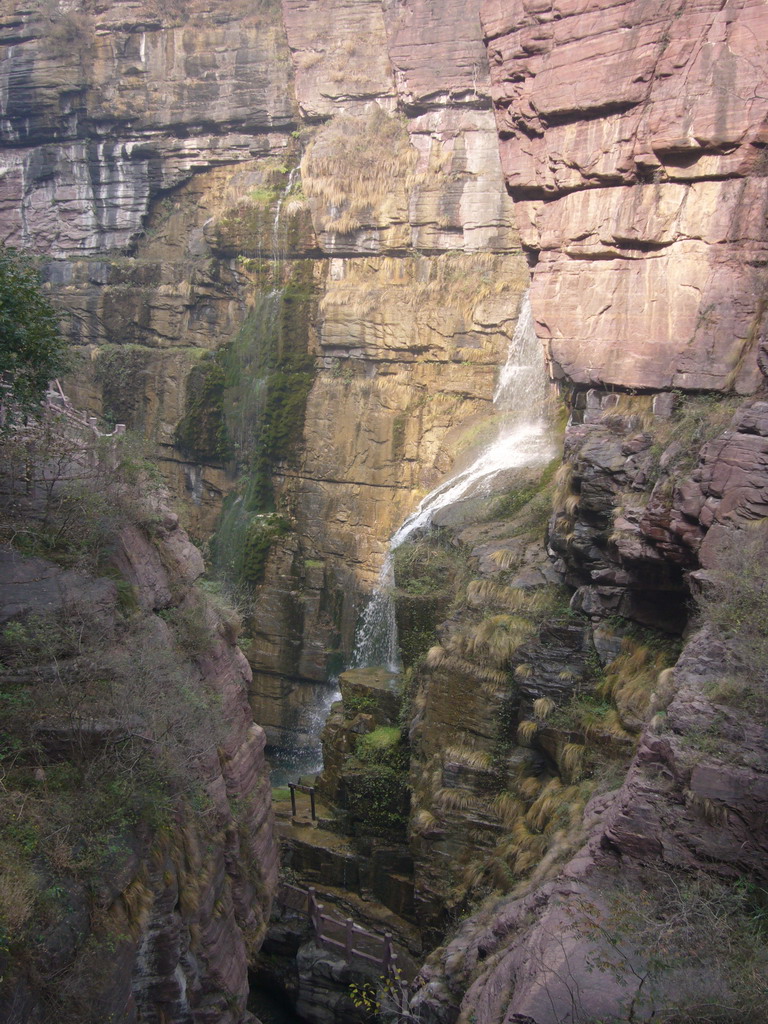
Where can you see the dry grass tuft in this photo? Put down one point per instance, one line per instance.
(449, 660)
(18, 888)
(630, 412)
(480, 760)
(571, 760)
(631, 679)
(507, 807)
(505, 559)
(496, 638)
(423, 821)
(526, 732)
(435, 656)
(362, 167)
(447, 799)
(485, 593)
(530, 787)
(543, 707)
(544, 807)
(712, 812)
(562, 485)
(137, 901)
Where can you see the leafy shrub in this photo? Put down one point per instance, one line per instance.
(377, 799)
(685, 949)
(120, 371)
(32, 351)
(68, 491)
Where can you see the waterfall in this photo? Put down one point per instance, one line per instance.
(288, 763)
(376, 638)
(522, 440)
(278, 249)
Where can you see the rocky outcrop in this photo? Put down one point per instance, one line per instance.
(607, 154)
(632, 137)
(157, 907)
(689, 802)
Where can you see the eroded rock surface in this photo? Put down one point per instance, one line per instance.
(167, 919)
(687, 803)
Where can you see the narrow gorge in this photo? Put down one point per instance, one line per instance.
(438, 331)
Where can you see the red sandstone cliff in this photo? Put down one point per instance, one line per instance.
(632, 136)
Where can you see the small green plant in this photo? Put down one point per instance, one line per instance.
(508, 506)
(359, 703)
(387, 1000)
(202, 431)
(191, 631)
(423, 567)
(383, 746)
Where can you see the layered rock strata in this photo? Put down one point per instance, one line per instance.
(632, 137)
(123, 127)
(168, 211)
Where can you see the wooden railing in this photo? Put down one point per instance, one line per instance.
(341, 934)
(57, 402)
(309, 790)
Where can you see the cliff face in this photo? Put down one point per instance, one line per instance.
(139, 859)
(153, 168)
(627, 132)
(633, 142)
(421, 279)
(316, 197)
(633, 137)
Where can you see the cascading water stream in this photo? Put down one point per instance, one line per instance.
(522, 440)
(307, 758)
(278, 248)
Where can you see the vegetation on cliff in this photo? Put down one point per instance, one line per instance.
(359, 168)
(112, 729)
(245, 407)
(734, 601)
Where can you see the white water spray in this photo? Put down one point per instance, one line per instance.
(306, 757)
(522, 441)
